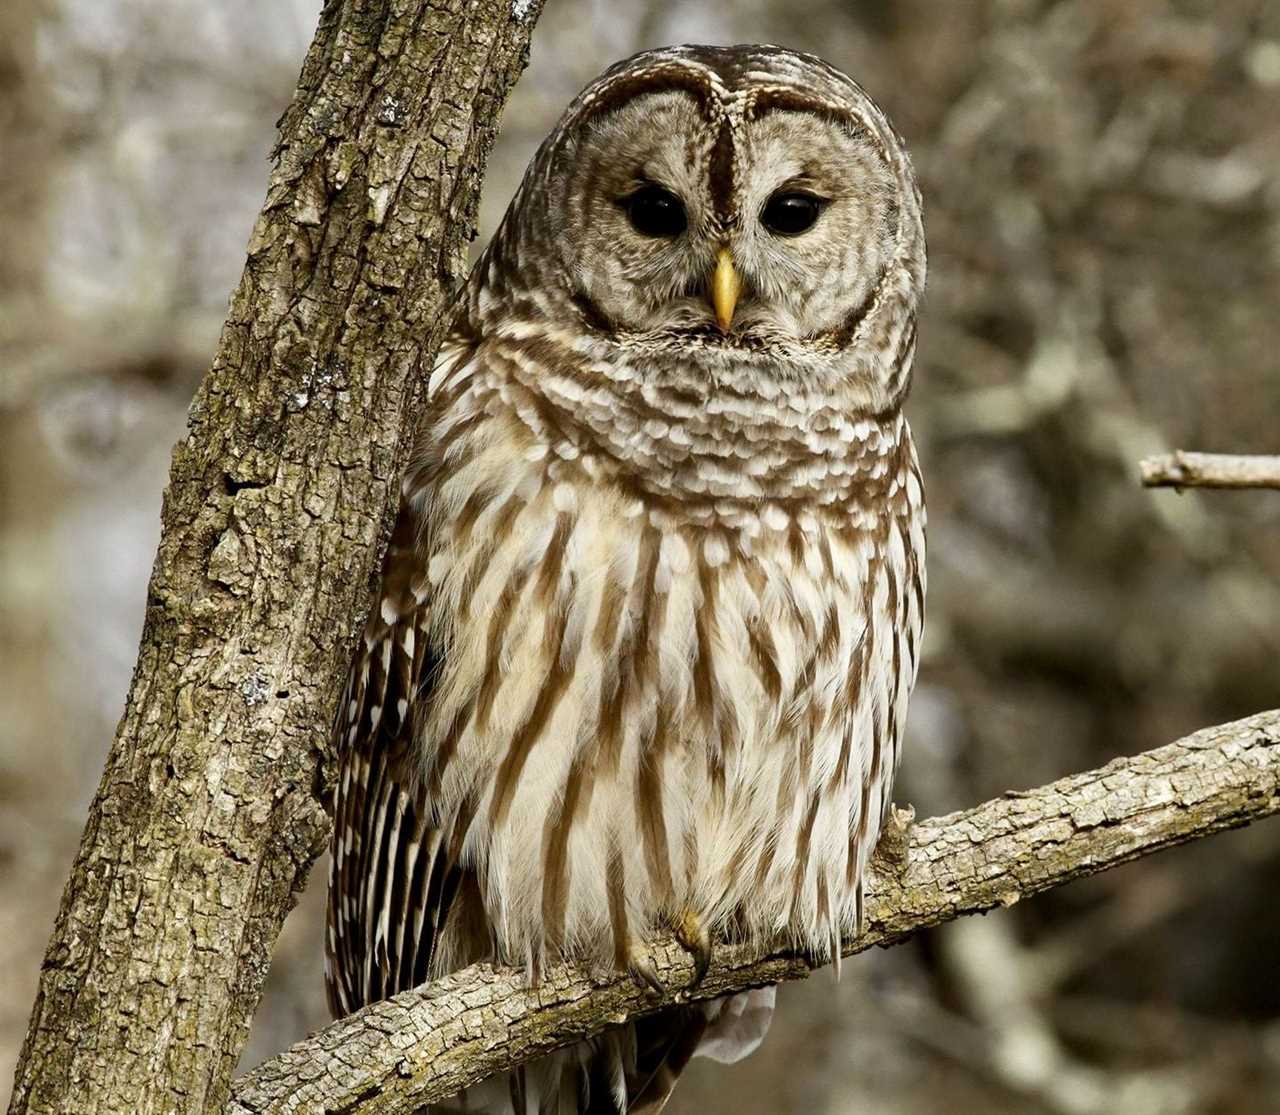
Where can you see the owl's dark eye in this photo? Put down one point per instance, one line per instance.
(790, 213)
(654, 211)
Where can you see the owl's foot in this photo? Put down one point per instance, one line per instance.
(641, 968)
(895, 835)
(696, 941)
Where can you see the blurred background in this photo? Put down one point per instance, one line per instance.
(1102, 187)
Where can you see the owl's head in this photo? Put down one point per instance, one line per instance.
(746, 201)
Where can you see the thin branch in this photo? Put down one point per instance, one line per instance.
(1181, 469)
(426, 1044)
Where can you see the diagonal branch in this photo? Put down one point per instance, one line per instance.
(427, 1044)
(1181, 469)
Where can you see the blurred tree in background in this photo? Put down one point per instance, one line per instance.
(1102, 187)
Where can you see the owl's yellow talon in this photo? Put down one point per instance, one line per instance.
(696, 941)
(890, 851)
(641, 967)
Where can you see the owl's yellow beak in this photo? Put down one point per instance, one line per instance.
(726, 285)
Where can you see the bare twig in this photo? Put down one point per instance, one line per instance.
(1181, 469)
(427, 1044)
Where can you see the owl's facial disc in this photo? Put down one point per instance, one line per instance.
(682, 222)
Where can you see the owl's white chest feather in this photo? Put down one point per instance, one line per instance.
(643, 714)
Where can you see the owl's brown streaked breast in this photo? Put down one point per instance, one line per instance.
(649, 706)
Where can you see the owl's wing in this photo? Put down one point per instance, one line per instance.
(390, 881)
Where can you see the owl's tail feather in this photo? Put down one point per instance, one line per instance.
(631, 1070)
(725, 1030)
(671, 1048)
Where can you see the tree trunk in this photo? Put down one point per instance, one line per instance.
(211, 808)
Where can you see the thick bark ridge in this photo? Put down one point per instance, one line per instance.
(211, 808)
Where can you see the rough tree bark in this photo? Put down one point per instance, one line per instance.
(210, 811)
(424, 1045)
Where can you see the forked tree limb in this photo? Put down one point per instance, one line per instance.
(210, 810)
(1181, 469)
(426, 1044)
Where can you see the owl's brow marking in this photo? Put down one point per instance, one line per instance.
(782, 98)
(670, 78)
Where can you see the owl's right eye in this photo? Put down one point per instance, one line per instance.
(654, 211)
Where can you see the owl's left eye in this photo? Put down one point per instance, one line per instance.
(654, 211)
(790, 213)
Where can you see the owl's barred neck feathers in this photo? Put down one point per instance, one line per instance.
(726, 447)
(652, 612)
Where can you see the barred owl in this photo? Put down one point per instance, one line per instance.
(652, 610)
